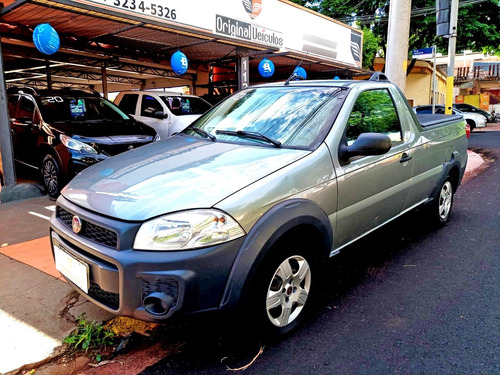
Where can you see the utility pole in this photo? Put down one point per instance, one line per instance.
(398, 32)
(5, 136)
(452, 41)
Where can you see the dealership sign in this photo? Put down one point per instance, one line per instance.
(247, 31)
(270, 23)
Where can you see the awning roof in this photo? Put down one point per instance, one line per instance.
(131, 49)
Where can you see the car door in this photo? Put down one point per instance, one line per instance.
(372, 189)
(25, 129)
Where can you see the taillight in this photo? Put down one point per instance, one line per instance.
(467, 130)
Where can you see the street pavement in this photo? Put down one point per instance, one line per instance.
(37, 307)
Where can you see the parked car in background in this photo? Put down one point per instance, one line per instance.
(167, 112)
(474, 120)
(61, 132)
(470, 108)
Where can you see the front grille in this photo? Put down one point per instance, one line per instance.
(90, 231)
(112, 300)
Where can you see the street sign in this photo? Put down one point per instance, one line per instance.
(422, 53)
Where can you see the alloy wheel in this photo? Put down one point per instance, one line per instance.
(288, 291)
(445, 201)
(50, 177)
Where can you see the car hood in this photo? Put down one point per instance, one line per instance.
(179, 173)
(103, 128)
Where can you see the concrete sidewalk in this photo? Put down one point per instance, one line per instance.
(37, 307)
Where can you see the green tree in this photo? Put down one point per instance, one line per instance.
(371, 45)
(477, 23)
(477, 28)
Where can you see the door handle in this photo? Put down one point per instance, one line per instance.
(405, 157)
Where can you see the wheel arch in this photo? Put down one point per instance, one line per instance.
(453, 169)
(297, 217)
(46, 149)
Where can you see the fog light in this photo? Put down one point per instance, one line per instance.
(159, 295)
(157, 303)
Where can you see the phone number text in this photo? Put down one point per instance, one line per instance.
(145, 7)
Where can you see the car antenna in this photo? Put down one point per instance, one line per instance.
(295, 75)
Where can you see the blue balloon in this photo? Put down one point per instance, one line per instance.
(300, 72)
(266, 68)
(179, 63)
(46, 39)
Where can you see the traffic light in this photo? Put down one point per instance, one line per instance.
(443, 17)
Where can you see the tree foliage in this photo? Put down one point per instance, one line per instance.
(371, 45)
(477, 28)
(477, 23)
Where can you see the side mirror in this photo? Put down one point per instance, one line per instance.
(160, 115)
(367, 144)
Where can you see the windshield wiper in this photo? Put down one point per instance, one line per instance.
(247, 134)
(201, 132)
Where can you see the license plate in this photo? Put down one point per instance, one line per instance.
(74, 269)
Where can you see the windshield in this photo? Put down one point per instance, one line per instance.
(181, 105)
(74, 108)
(291, 116)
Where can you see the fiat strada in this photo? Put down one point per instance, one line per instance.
(240, 209)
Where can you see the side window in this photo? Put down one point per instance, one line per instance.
(12, 105)
(25, 109)
(128, 104)
(374, 112)
(149, 106)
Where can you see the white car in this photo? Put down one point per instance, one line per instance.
(167, 112)
(475, 120)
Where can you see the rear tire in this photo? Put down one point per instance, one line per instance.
(51, 176)
(440, 209)
(472, 125)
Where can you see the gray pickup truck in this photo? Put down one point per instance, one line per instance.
(236, 213)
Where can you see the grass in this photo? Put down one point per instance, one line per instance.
(90, 336)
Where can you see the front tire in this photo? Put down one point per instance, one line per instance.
(282, 294)
(51, 176)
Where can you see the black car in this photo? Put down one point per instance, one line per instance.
(470, 108)
(61, 132)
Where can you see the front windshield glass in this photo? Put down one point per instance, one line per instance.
(74, 108)
(182, 105)
(292, 116)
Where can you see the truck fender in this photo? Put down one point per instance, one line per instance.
(451, 168)
(276, 222)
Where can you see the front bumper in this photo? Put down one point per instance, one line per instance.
(120, 279)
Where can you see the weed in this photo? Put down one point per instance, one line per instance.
(89, 335)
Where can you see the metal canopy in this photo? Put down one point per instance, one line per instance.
(130, 49)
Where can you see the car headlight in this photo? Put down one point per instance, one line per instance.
(77, 145)
(187, 230)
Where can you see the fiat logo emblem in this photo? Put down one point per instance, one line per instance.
(76, 224)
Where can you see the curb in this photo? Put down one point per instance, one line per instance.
(20, 191)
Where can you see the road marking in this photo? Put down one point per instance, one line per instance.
(51, 208)
(39, 215)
